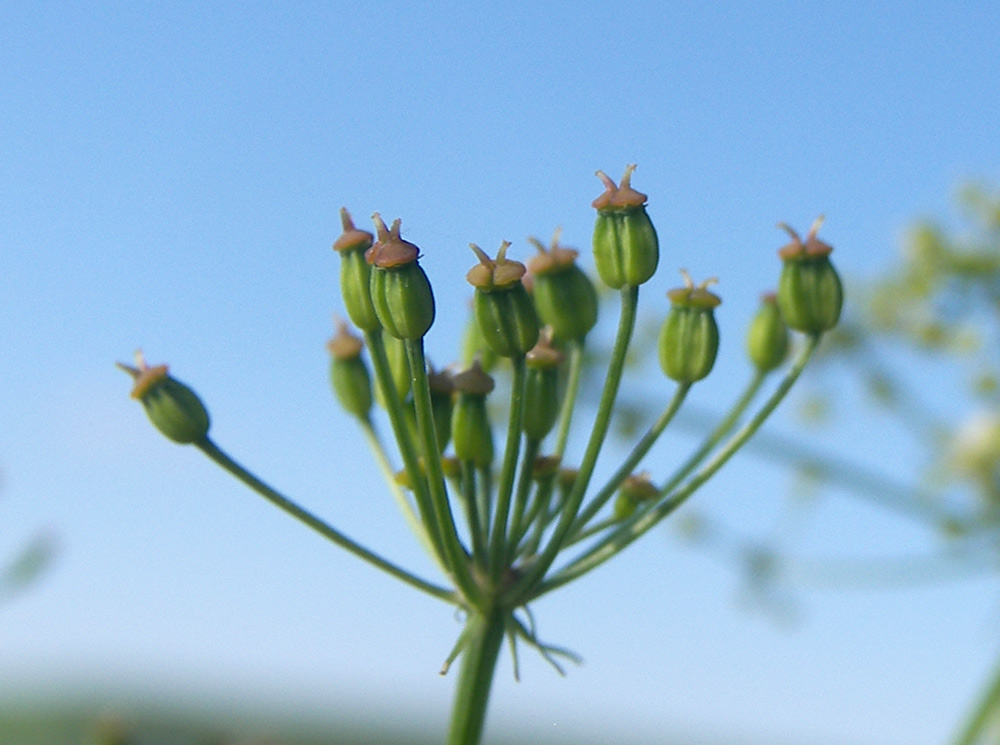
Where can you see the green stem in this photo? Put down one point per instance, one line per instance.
(572, 390)
(469, 499)
(210, 449)
(382, 458)
(592, 530)
(715, 436)
(538, 515)
(456, 557)
(404, 438)
(484, 635)
(985, 713)
(498, 538)
(518, 525)
(484, 495)
(569, 510)
(638, 453)
(638, 525)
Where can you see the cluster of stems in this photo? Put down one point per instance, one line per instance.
(509, 524)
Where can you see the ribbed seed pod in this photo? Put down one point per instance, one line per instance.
(626, 249)
(564, 296)
(349, 375)
(767, 337)
(541, 391)
(355, 273)
(810, 293)
(400, 291)
(503, 308)
(472, 435)
(689, 337)
(171, 406)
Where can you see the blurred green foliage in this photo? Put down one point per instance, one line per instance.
(21, 570)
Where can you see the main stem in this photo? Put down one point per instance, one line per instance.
(479, 659)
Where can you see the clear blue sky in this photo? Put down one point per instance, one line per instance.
(170, 179)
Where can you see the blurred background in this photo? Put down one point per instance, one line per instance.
(171, 179)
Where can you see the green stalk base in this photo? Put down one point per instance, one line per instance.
(479, 658)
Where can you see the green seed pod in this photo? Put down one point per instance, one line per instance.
(400, 291)
(810, 294)
(541, 391)
(564, 296)
(626, 249)
(502, 306)
(689, 338)
(471, 432)
(349, 375)
(635, 490)
(566, 480)
(623, 507)
(442, 389)
(171, 406)
(545, 467)
(355, 273)
(767, 338)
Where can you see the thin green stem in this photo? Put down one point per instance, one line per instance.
(456, 557)
(498, 538)
(382, 458)
(538, 516)
(572, 391)
(592, 530)
(643, 520)
(404, 438)
(484, 495)
(638, 453)
(987, 712)
(476, 532)
(220, 457)
(569, 510)
(483, 637)
(518, 525)
(715, 436)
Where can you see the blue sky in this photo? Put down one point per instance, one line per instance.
(171, 179)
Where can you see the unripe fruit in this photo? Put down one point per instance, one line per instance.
(626, 249)
(355, 273)
(689, 338)
(348, 373)
(400, 291)
(171, 406)
(767, 337)
(810, 293)
(564, 296)
(635, 490)
(503, 308)
(541, 390)
(471, 432)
